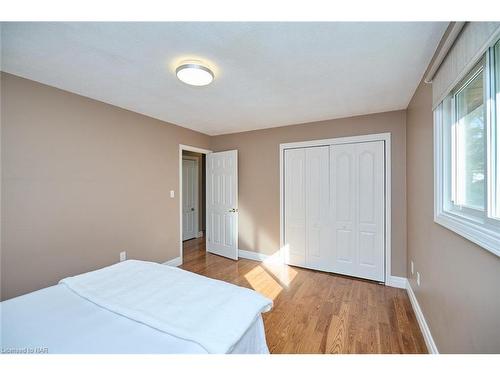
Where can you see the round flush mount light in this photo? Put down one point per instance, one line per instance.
(194, 74)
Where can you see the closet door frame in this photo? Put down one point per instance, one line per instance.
(386, 138)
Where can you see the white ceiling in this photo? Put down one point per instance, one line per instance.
(266, 74)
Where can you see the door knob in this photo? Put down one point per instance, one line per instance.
(192, 209)
(233, 210)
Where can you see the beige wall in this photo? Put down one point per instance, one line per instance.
(460, 282)
(258, 168)
(82, 181)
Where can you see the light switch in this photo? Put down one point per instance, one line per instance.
(172, 194)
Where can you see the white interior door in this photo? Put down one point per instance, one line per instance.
(343, 208)
(307, 217)
(189, 198)
(357, 205)
(222, 203)
(370, 218)
(318, 238)
(295, 207)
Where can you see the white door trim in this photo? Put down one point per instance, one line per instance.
(193, 149)
(386, 137)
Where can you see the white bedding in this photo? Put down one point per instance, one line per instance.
(58, 319)
(212, 313)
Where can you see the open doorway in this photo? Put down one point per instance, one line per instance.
(193, 195)
(192, 201)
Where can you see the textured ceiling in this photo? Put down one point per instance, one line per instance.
(267, 74)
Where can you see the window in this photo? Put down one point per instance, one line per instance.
(469, 144)
(495, 137)
(467, 165)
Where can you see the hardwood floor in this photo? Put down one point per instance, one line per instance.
(318, 312)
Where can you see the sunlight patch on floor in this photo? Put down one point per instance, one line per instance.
(271, 278)
(276, 265)
(281, 272)
(263, 282)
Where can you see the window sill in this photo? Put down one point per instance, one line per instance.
(486, 238)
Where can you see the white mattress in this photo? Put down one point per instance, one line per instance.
(63, 322)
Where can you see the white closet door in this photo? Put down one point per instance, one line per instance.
(343, 208)
(357, 180)
(370, 198)
(295, 213)
(318, 248)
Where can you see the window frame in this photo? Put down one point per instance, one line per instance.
(493, 144)
(479, 226)
(464, 209)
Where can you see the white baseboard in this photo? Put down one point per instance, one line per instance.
(426, 332)
(174, 262)
(200, 234)
(252, 255)
(396, 282)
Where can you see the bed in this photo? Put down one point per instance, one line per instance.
(89, 314)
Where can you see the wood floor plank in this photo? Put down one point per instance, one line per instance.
(318, 312)
(337, 335)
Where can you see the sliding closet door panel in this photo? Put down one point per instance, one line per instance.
(334, 208)
(370, 234)
(295, 212)
(343, 208)
(318, 248)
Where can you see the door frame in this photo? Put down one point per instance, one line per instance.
(196, 198)
(200, 151)
(386, 138)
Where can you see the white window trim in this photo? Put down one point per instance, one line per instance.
(476, 232)
(493, 144)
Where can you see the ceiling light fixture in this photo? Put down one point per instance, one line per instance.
(194, 74)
